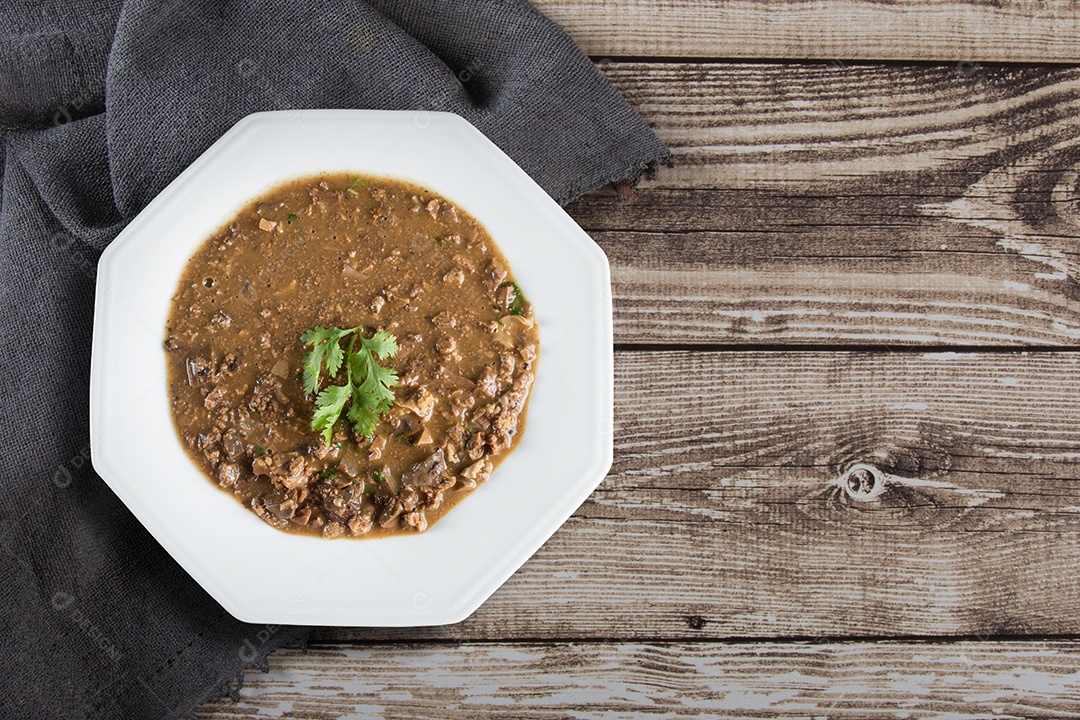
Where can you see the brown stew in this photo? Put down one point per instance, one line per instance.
(346, 251)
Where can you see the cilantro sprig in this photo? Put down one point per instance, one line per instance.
(367, 384)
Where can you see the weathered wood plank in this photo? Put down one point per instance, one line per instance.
(726, 514)
(865, 205)
(593, 680)
(920, 131)
(771, 286)
(968, 30)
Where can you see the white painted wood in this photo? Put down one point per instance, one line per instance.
(960, 681)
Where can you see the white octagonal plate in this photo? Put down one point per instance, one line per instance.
(260, 574)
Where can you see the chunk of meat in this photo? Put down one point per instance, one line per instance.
(409, 498)
(289, 471)
(488, 382)
(514, 400)
(460, 403)
(432, 497)
(265, 515)
(208, 444)
(507, 364)
(446, 345)
(267, 395)
(230, 364)
(494, 276)
(478, 471)
(341, 500)
(262, 465)
(474, 447)
(221, 320)
(426, 472)
(284, 508)
(325, 451)
(232, 442)
(216, 398)
(504, 296)
(445, 319)
(498, 441)
(528, 353)
(296, 475)
(362, 522)
(388, 515)
(228, 474)
(415, 520)
(422, 403)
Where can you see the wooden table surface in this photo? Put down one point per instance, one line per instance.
(855, 263)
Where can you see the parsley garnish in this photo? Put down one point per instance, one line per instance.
(517, 307)
(292, 216)
(367, 384)
(379, 477)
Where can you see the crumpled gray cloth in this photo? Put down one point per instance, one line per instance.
(101, 105)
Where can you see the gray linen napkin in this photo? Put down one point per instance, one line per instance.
(101, 105)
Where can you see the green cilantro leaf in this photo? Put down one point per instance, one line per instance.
(382, 344)
(334, 357)
(367, 384)
(328, 406)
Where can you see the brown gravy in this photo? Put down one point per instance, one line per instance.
(347, 251)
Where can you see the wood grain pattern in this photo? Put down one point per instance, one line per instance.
(970, 30)
(864, 205)
(724, 516)
(634, 680)
(934, 129)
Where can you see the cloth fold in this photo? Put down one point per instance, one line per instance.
(102, 104)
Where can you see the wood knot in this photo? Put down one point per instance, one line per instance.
(696, 622)
(862, 482)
